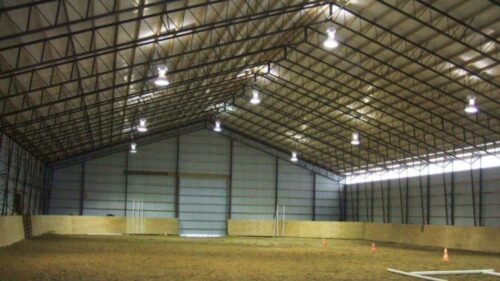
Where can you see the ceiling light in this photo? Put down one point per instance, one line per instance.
(141, 128)
(330, 42)
(294, 157)
(217, 127)
(161, 80)
(355, 138)
(133, 147)
(471, 108)
(255, 97)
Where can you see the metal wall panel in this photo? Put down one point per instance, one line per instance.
(253, 184)
(491, 197)
(202, 206)
(104, 185)
(65, 195)
(158, 156)
(201, 154)
(156, 192)
(327, 206)
(458, 198)
(295, 191)
(204, 152)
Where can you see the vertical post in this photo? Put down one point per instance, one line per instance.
(353, 210)
(357, 202)
(344, 200)
(421, 188)
(177, 177)
(27, 171)
(49, 188)
(401, 198)
(5, 206)
(473, 195)
(428, 198)
(452, 197)
(42, 190)
(481, 220)
(407, 198)
(367, 208)
(31, 184)
(389, 220)
(383, 201)
(371, 201)
(445, 196)
(229, 185)
(276, 183)
(82, 188)
(19, 161)
(314, 197)
(125, 205)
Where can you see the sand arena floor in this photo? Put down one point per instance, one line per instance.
(144, 258)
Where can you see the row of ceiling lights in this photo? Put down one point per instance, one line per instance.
(330, 43)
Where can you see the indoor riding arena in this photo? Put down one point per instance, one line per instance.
(245, 140)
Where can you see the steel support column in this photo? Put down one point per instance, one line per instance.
(82, 186)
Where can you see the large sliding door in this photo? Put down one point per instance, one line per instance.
(202, 207)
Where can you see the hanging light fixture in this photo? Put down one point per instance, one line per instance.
(471, 107)
(217, 127)
(355, 138)
(161, 80)
(255, 97)
(141, 128)
(294, 157)
(133, 147)
(330, 41)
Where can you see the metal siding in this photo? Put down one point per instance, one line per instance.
(158, 156)
(491, 197)
(65, 195)
(104, 186)
(204, 152)
(463, 199)
(327, 199)
(253, 188)
(202, 206)
(157, 193)
(295, 191)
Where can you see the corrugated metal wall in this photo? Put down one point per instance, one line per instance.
(253, 184)
(66, 191)
(295, 191)
(21, 174)
(104, 186)
(156, 191)
(327, 199)
(206, 161)
(459, 198)
(202, 202)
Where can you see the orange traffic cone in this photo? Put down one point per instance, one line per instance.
(374, 248)
(445, 255)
